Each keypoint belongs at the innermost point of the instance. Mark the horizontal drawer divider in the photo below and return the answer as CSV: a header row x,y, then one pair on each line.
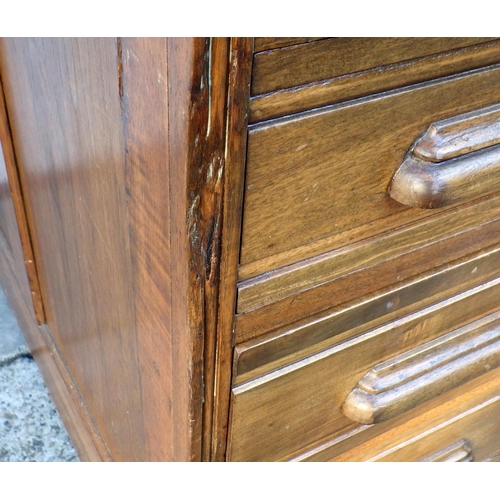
x,y
343,88
276,285
272,357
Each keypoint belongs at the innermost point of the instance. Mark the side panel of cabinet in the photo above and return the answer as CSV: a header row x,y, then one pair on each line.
x,y
121,162
19,279
90,123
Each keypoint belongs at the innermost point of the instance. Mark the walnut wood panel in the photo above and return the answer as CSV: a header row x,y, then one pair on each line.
x,y
63,97
363,83
308,172
303,338
369,441
285,411
306,63
240,59
420,374
478,427
368,280
144,74
19,280
124,195
267,43
396,244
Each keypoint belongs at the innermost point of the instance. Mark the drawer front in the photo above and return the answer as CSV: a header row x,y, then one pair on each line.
x,y
377,376
319,183
310,75
471,435
305,63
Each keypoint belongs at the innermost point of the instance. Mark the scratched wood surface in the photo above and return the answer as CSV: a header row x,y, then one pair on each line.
x,y
304,337
268,43
304,63
471,436
122,239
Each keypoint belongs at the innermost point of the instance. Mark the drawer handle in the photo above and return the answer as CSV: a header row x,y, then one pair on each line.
x,y
456,159
412,378
457,452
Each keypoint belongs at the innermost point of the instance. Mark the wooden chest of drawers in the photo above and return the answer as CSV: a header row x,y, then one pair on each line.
x,y
258,249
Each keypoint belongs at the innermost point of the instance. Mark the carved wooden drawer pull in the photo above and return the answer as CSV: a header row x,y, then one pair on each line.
x,y
457,452
412,378
456,159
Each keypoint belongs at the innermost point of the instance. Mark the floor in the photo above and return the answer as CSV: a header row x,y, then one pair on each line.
x,y
30,427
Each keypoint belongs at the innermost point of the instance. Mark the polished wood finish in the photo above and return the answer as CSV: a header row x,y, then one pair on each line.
x,y
240,61
306,63
477,424
20,283
401,245
471,417
460,135
441,169
268,408
220,273
14,223
127,238
366,82
309,171
457,452
263,353
267,43
406,381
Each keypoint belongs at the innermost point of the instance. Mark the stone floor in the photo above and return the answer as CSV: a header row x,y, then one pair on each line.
x,y
30,427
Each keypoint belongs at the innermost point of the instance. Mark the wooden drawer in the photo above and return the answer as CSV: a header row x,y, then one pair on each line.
x,y
292,75
317,186
470,435
357,377
308,62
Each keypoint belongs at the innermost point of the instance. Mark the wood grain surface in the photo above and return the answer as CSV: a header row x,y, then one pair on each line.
x,y
310,171
305,63
460,135
267,352
366,441
454,160
301,403
124,197
63,97
240,61
408,380
267,43
399,244
478,425
371,81
456,452
13,221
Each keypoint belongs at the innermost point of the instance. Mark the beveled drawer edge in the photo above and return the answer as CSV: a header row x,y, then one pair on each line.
x,y
300,404
300,99
281,283
444,424
263,374
304,338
